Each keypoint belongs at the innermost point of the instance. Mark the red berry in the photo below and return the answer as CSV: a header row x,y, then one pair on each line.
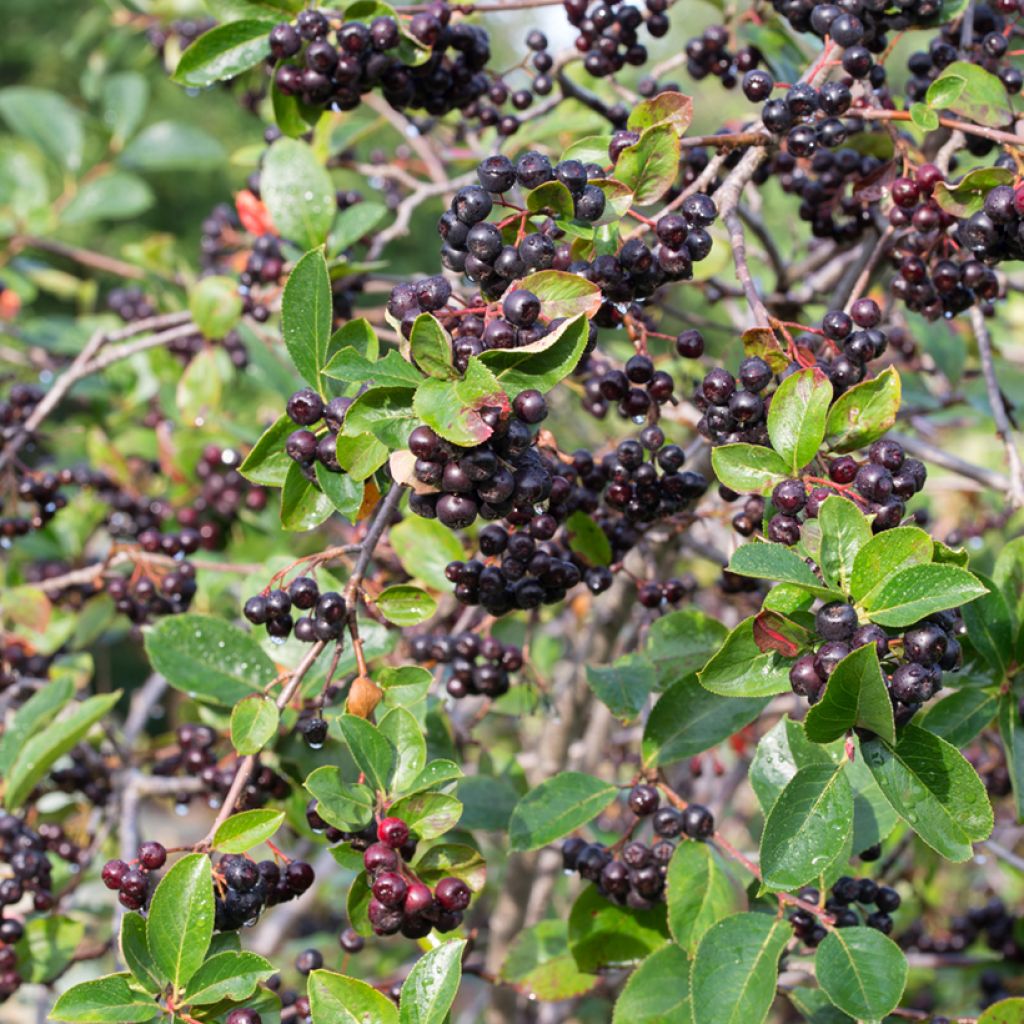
x,y
452,894
113,873
152,856
393,832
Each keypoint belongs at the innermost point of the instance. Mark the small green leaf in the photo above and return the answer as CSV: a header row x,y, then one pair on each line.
x,y
227,975
431,348
354,368
886,554
43,706
303,505
736,967
741,669
748,468
649,167
403,732
924,117
807,828
552,198
48,120
1011,731
306,309
862,971
586,538
796,419
341,492
540,965
428,815
424,547
623,686
455,859
680,643
844,531
602,934
556,807
658,991
967,196
921,590
982,98
990,626
405,605
671,108
767,561
47,947
135,951
298,193
179,924
347,807
254,722
224,52
699,892
106,1000
1006,1011
336,999
267,462
431,986
452,407
959,717
370,749
385,412
561,293
864,412
541,364
855,697
242,831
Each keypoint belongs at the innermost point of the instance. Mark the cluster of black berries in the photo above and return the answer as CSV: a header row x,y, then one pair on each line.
x,y
17,407
846,897
709,54
479,666
84,771
987,47
184,32
242,888
730,414
41,491
19,665
197,757
223,494
942,262
400,902
148,596
133,882
655,593
807,117
382,55
274,610
608,33
306,447
998,926
913,662
130,304
634,876
637,389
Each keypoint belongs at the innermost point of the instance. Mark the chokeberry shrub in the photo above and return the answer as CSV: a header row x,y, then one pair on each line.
x,y
511,511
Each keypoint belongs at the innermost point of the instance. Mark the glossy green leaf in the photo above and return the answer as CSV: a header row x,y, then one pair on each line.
x,y
48,120
385,412
430,987
370,749
242,831
671,108
650,165
864,412
960,716
455,859
768,561
623,686
658,991
267,462
298,193
303,505
933,789
452,407
982,98
735,968
42,707
405,605
602,934
106,1000
796,419
431,348
855,697
208,659
844,531
340,493
807,827
990,626
179,923
337,999
741,669
967,196
403,732
541,364
254,722
748,468
355,368
540,965
862,971
224,52
562,294
921,590
424,547
680,643
346,806
556,807
135,952
306,312
1006,1011
428,815
586,538
886,554
699,893
227,975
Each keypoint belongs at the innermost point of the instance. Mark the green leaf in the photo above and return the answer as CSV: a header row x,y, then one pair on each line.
x,y
436,772
303,505
173,146
43,706
354,223
924,117
452,407
385,412
405,605
815,1007
47,947
428,815
224,52
990,626
268,462
1011,731
586,538
735,969
680,643
348,807
431,348
455,859
424,547
864,412
959,717
540,965
933,789
748,468
243,831
1006,1011
431,986
298,193
114,196
342,492
48,120
125,98
623,686
403,732
179,924
541,364
306,312
741,669
487,803
807,827
602,934
982,98
35,758
967,196
782,750
886,554
855,697
370,750
215,305
921,590
658,991
135,952
766,561
796,419
1009,576
649,167
844,531
561,293
227,975
106,1000
354,368
336,999
591,149
556,807
689,719
699,893
671,108
254,722
208,659
862,971
552,198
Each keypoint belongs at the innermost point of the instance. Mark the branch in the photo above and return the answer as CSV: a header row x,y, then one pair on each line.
x,y
88,258
998,406
992,134
922,449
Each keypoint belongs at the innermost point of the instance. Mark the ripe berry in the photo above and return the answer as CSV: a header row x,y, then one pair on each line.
x,y
152,856
836,620
828,656
789,496
243,1015
690,344
393,832
925,644
643,800
351,941
804,677
113,873
530,406
698,822
521,307
305,407
309,960
452,894
300,876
